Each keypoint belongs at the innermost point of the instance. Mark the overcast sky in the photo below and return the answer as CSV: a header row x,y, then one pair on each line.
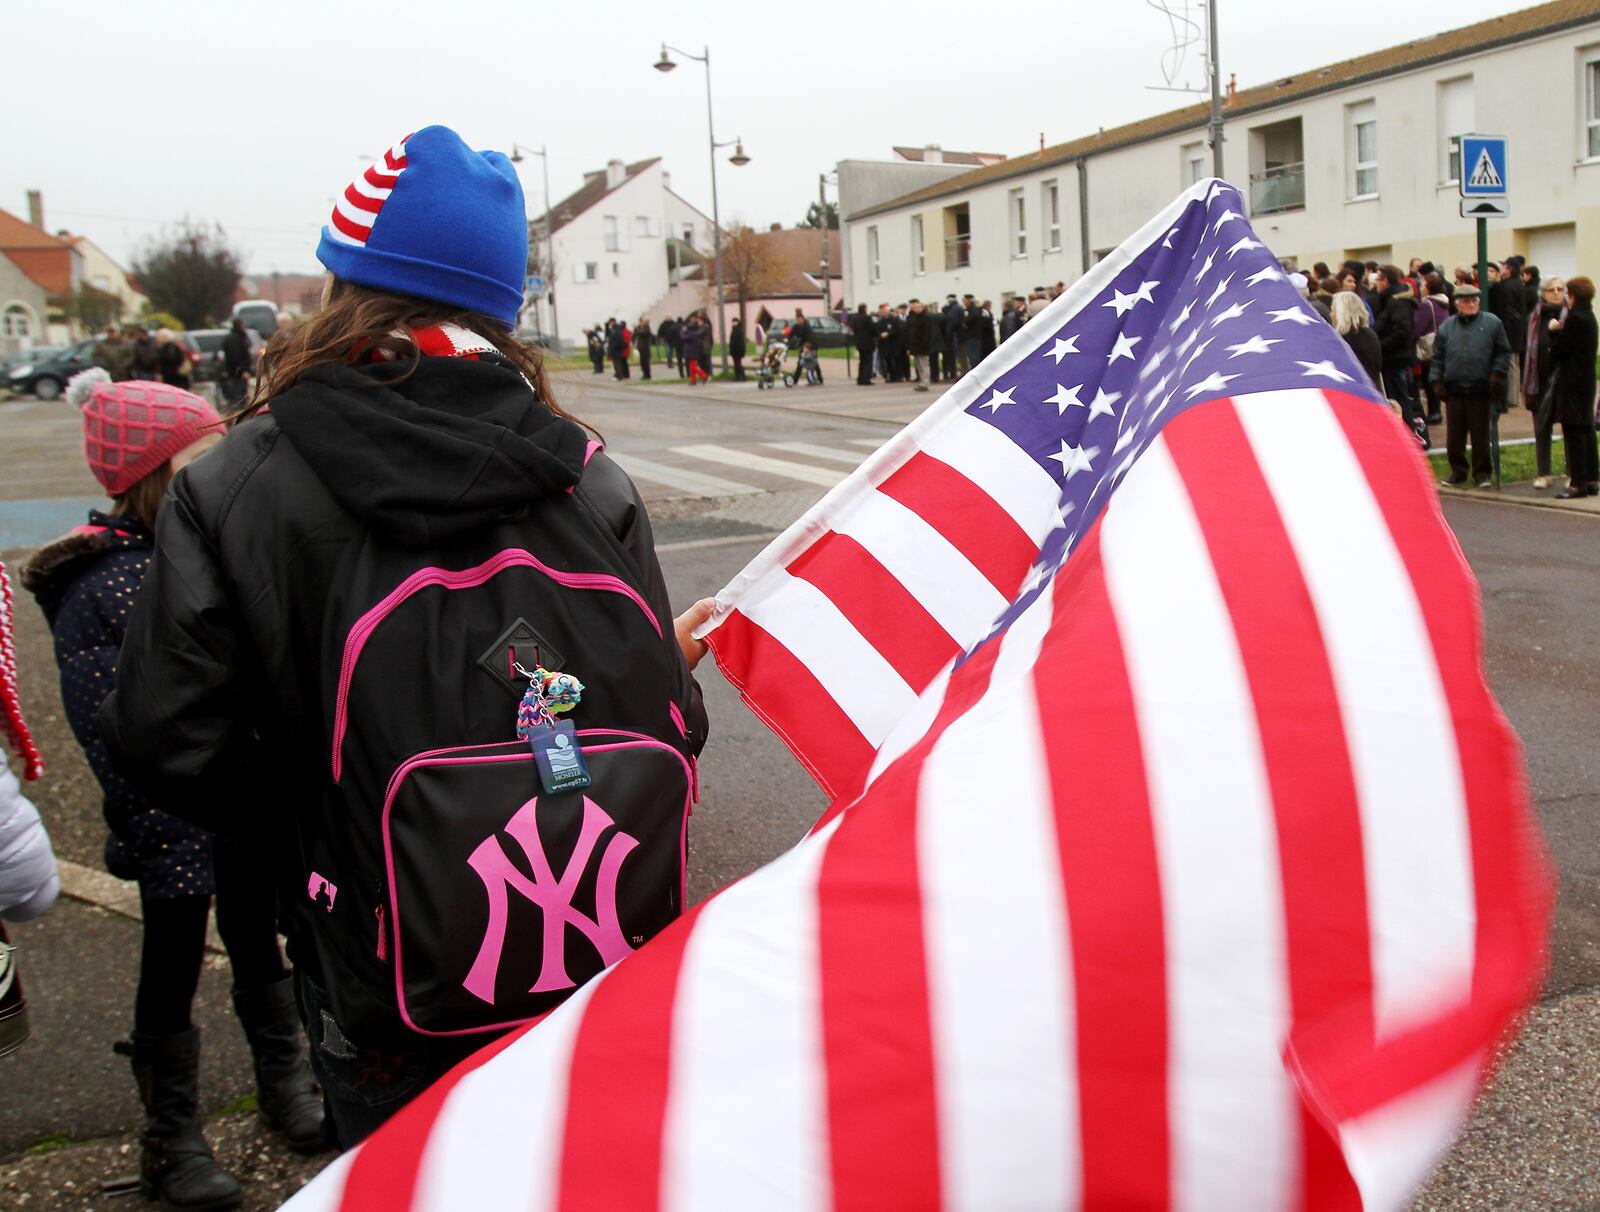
x,y
128,116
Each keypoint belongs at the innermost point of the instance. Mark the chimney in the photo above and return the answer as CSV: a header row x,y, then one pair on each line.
x,y
36,208
932,153
1233,87
666,179
615,173
776,227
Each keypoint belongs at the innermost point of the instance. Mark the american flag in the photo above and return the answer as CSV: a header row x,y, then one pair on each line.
x,y
1182,860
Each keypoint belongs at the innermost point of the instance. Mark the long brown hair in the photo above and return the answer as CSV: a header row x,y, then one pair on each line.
x,y
357,323
142,501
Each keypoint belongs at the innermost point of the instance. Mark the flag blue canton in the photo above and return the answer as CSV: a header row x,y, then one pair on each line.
x,y
1202,311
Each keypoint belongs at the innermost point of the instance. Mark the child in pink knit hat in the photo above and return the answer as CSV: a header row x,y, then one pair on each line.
x,y
137,436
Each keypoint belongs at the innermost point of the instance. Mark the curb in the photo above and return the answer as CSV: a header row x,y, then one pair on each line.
x,y
1494,497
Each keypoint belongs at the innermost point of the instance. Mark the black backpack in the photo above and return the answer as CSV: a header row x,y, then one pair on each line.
x,y
450,887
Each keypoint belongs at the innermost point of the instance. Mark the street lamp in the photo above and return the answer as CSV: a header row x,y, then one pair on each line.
x,y
738,160
517,151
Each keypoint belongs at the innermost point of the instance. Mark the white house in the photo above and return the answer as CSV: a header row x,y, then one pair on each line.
x,y
1356,159
103,273
619,243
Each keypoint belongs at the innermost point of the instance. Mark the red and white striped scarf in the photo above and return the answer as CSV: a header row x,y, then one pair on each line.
x,y
12,725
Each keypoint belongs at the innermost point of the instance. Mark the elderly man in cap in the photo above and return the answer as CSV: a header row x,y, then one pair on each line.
x,y
1470,358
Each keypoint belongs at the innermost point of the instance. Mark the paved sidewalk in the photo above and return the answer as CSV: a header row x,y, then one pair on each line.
x,y
839,396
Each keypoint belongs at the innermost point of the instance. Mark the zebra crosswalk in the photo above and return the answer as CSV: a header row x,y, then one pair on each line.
x,y
717,470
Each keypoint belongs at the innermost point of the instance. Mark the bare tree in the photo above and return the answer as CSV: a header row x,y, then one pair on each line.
x,y
751,266
191,272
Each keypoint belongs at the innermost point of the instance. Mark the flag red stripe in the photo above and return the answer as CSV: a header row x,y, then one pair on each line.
x,y
360,200
1303,743
395,163
1112,881
878,606
351,229
970,518
618,1080
379,180
877,1036
1511,875
383,1177
788,697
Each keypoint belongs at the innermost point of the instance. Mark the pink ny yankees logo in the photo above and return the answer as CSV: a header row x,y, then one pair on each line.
x,y
553,896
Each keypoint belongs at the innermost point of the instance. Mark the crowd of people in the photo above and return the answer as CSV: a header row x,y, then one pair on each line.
x,y
162,357
927,344
685,341
1458,351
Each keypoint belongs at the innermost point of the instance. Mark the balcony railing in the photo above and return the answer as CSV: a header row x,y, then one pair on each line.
x,y
1278,189
957,252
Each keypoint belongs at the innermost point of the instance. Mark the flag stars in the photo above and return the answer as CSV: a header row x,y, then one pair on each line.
x,y
1100,406
1244,245
1123,303
1255,345
1182,318
1232,312
1123,348
1221,289
1158,355
1212,382
1074,459
1146,292
994,402
1227,216
1205,267
1065,397
1166,241
1063,347
1293,315
1325,370
1270,273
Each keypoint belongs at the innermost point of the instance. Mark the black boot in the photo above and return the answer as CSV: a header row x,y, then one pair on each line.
x,y
175,1164
285,1096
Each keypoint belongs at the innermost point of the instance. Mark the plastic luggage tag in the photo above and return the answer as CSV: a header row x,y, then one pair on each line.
x,y
559,757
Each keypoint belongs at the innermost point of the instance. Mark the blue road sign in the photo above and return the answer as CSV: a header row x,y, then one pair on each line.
x,y
534,285
1483,166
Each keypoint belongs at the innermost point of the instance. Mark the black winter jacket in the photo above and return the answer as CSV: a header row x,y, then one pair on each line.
x,y
1572,354
1394,314
919,333
222,707
1468,353
86,583
1508,300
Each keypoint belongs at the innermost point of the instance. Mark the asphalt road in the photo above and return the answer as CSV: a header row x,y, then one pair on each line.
x,y
1540,597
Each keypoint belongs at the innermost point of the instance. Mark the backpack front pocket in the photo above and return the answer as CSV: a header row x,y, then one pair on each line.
x,y
503,899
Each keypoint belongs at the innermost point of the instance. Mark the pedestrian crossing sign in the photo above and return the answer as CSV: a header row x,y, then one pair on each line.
x,y
1483,166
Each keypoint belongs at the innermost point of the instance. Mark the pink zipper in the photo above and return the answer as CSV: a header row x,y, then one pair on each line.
x,y
437,757
383,950
466,578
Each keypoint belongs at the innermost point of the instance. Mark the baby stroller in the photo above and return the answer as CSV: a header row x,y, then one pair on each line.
x,y
809,369
770,368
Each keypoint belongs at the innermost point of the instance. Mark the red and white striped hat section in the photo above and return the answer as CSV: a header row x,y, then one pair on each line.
x,y
356,212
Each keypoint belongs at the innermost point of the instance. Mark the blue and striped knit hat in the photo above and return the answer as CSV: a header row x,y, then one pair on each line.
x,y
435,219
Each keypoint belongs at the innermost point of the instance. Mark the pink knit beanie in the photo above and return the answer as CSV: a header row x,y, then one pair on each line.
x,y
132,428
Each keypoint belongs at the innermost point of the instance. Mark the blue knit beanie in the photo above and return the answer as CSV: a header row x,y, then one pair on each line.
x,y
434,219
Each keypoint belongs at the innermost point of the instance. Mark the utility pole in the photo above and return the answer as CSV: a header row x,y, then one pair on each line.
x,y
822,222
1214,126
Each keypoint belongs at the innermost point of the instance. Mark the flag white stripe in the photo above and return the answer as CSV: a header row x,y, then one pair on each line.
x,y
361,218
804,472
326,1192
999,954
928,565
1397,721
831,453
677,477
804,620
748,1003
1001,468
913,725
477,1156
1393,1149
1216,844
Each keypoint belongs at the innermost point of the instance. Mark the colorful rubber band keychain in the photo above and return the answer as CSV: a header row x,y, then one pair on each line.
x,y
554,742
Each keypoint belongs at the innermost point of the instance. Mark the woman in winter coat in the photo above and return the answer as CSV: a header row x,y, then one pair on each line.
x,y
1432,311
692,342
1538,371
28,879
1572,355
137,435
403,537
1350,320
173,359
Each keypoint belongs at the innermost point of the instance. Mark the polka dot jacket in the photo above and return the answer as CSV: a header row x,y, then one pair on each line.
x,y
87,583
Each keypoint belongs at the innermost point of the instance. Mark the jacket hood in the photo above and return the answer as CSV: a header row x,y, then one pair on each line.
x,y
55,566
426,457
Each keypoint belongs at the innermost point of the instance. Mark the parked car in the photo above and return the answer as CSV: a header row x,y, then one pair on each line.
x,y
208,364
826,331
257,314
47,377
10,361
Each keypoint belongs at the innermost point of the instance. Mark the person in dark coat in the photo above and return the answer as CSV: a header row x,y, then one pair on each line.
x,y
1572,353
1508,302
865,331
642,336
936,344
236,365
1470,358
173,359
1012,317
919,342
1350,322
146,355
1394,318
113,353
800,335
972,340
891,343
692,341
668,335
86,585
986,341
1538,367
736,348
617,348
954,315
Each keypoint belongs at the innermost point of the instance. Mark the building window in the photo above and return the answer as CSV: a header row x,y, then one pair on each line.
x,y
687,234
957,236
1019,224
16,322
872,254
1277,168
616,233
1458,114
919,248
1050,207
1194,163
585,271
1361,149
646,225
1591,103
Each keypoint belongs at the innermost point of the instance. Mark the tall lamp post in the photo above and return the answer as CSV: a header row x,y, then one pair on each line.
x,y
517,152
738,160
